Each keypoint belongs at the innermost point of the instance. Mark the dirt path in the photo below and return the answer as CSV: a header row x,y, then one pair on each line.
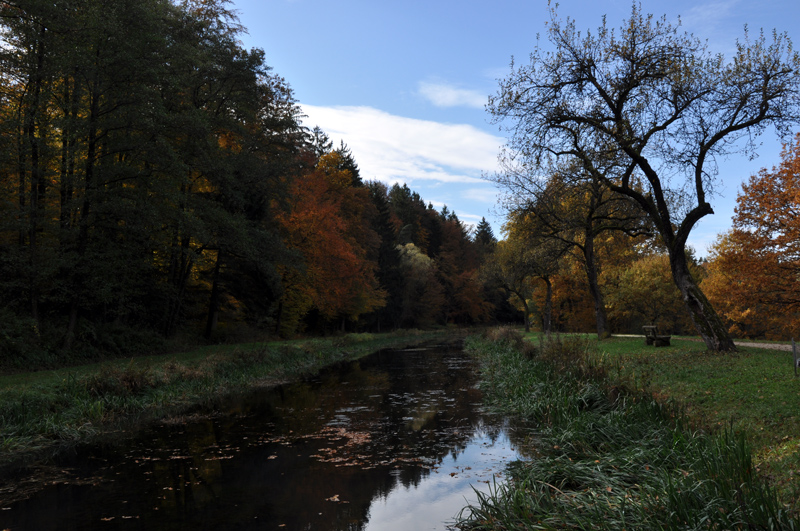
x,y
772,346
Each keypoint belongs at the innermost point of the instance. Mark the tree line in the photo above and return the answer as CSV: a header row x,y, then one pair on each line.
x,y
156,180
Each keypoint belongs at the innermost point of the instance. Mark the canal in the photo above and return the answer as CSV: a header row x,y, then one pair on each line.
x,y
394,441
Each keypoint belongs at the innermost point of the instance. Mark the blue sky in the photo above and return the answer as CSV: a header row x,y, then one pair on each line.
x,y
404,84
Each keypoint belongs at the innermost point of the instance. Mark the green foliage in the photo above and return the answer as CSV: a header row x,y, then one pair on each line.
x,y
148,167
19,339
645,293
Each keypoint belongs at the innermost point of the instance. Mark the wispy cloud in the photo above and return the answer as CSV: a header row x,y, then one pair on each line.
x,y
443,95
711,20
482,195
708,15
393,149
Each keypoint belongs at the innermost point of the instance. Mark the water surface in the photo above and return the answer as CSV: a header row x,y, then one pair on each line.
x,y
394,441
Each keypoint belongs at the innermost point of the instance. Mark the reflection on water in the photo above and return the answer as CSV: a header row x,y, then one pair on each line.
x,y
393,441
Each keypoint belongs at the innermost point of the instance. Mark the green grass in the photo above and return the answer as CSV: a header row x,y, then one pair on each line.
x,y
42,411
753,391
609,455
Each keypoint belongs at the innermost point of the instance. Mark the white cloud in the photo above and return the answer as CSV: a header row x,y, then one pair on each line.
x,y
443,95
711,21
708,15
396,149
484,195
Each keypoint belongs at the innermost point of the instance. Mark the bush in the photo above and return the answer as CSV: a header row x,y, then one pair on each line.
x,y
514,337
96,341
21,344
120,382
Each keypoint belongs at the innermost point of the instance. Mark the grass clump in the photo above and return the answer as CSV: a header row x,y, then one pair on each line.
x,y
608,457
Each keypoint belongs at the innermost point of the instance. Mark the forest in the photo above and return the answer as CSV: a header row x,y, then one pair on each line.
x,y
157,182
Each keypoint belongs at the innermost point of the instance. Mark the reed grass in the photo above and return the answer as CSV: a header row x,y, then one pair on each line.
x,y
610,457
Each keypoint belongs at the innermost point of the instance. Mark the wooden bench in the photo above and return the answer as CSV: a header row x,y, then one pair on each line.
x,y
651,337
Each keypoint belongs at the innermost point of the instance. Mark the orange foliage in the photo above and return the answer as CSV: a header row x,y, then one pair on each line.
x,y
325,223
755,267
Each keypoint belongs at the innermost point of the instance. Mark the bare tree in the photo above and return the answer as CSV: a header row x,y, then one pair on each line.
x,y
660,101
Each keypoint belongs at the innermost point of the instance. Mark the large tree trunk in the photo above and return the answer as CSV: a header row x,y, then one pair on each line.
x,y
594,287
705,319
213,303
526,311
37,184
72,325
68,143
89,189
527,316
547,316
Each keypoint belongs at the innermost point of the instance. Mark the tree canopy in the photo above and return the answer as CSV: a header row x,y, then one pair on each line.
x,y
653,105
755,266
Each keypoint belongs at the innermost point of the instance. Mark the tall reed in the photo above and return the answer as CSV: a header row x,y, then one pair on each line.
x,y
609,457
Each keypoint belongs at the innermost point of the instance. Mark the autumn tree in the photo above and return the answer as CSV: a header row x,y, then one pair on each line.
x,y
423,295
144,149
458,263
504,270
644,291
575,208
660,102
755,267
413,218
520,260
325,222
735,286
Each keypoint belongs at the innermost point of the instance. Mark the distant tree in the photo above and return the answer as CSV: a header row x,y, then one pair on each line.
x,y
737,289
423,296
661,103
410,212
457,265
572,206
484,239
645,291
388,257
518,261
320,142
484,235
325,223
505,270
348,162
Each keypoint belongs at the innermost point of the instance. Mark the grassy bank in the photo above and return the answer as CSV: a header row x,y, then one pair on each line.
x,y
41,412
753,391
610,455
